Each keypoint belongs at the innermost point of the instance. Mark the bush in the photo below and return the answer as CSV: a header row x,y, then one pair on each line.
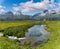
x,y
18,31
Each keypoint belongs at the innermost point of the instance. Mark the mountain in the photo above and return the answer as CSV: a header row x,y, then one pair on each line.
x,y
10,16
48,15
37,14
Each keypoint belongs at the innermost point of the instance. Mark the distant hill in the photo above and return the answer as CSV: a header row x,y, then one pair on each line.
x,y
10,16
46,15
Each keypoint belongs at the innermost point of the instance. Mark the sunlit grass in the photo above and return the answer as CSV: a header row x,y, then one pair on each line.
x,y
6,24
52,26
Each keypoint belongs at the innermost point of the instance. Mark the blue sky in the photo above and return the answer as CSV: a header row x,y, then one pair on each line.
x,y
9,4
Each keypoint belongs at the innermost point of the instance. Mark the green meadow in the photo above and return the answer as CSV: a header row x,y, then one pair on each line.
x,y
52,26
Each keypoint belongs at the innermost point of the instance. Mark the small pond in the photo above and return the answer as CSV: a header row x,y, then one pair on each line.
x,y
38,34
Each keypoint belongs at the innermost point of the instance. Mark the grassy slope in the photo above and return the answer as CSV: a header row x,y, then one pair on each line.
x,y
6,24
53,43
6,43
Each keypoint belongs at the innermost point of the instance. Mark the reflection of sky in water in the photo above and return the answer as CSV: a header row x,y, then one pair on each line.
x,y
37,27
38,33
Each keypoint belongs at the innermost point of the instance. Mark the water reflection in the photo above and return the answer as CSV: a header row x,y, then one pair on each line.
x,y
37,34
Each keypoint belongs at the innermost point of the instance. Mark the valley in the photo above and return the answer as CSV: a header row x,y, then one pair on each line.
x,y
9,27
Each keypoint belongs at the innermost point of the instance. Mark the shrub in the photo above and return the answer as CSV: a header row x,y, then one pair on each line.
x,y
18,31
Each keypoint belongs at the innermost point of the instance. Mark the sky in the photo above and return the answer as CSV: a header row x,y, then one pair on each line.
x,y
28,7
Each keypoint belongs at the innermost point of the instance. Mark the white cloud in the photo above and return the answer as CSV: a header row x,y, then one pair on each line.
x,y
2,11
43,14
57,8
30,6
2,6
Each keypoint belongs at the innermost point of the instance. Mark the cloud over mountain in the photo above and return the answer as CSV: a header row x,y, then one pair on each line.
x,y
30,6
2,11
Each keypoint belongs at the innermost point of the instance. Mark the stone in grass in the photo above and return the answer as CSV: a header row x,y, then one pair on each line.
x,y
1,34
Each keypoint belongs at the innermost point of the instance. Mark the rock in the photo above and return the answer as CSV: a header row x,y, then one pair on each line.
x,y
1,34
21,38
12,37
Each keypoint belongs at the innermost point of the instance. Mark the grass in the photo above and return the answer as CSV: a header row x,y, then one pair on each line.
x,y
52,26
6,24
54,40
6,43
